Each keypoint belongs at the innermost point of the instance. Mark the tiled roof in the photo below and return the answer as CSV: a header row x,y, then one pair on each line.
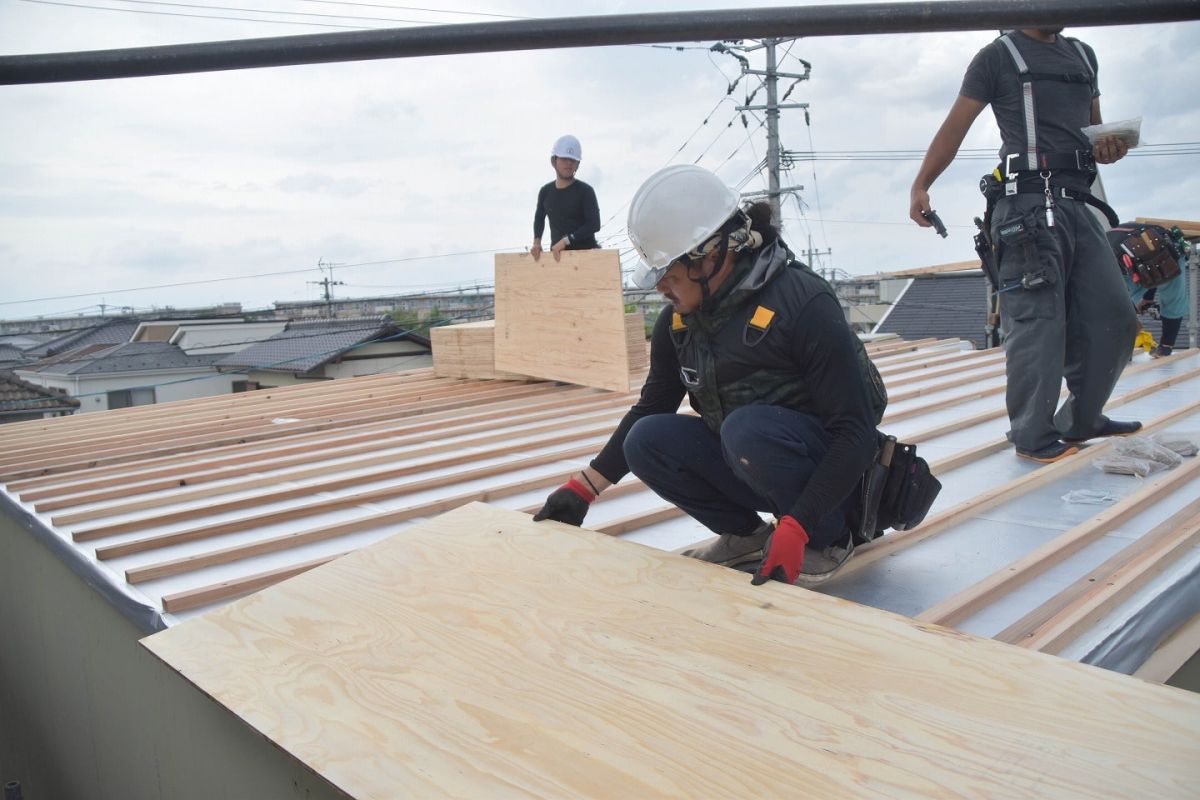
x,y
127,357
304,346
11,356
113,331
945,307
19,395
952,307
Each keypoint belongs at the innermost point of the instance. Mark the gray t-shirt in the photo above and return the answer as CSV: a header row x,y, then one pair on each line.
x,y
1060,108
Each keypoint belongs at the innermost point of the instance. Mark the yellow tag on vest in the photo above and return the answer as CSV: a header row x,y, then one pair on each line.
x,y
677,323
762,318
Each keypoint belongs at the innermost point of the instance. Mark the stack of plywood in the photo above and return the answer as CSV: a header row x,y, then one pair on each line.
x,y
467,351
637,348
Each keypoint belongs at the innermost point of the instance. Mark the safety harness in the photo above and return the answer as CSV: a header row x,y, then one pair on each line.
x,y
1080,160
1032,172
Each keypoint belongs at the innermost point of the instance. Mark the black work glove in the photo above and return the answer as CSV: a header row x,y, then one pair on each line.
x,y
568,503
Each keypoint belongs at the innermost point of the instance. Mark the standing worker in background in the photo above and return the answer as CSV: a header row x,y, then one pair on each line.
x,y
1063,309
787,399
568,202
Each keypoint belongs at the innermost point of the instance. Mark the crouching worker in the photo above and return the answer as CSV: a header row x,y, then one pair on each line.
x,y
787,399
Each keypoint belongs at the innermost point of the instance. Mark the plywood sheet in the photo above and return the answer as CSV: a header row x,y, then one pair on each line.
x,y
467,351
563,320
480,654
636,346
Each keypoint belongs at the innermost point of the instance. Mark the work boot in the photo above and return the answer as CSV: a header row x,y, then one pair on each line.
x,y
730,550
1111,428
821,564
1162,351
1050,453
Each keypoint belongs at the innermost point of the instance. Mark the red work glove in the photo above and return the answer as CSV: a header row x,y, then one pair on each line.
x,y
568,503
785,553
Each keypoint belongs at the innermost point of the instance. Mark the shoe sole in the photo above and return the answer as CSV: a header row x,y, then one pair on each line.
x,y
1070,451
1105,436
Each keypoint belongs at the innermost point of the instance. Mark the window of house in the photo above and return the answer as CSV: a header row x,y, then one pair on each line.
x,y
123,398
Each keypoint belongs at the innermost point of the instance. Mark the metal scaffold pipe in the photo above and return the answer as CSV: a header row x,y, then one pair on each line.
x,y
590,31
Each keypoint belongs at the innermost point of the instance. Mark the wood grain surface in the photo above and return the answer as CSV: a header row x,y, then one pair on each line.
x,y
563,320
479,654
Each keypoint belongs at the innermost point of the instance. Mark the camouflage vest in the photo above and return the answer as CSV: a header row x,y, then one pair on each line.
x,y
754,368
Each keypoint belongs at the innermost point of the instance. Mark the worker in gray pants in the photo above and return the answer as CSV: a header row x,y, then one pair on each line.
x,y
1063,308
1066,314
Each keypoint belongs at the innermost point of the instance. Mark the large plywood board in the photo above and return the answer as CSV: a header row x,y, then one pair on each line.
x,y
480,654
563,320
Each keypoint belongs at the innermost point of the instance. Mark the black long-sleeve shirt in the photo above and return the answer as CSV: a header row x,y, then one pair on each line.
x,y
573,212
822,351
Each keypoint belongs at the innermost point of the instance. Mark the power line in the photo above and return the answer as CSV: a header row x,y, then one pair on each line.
x,y
256,275
875,222
414,8
271,11
967,154
195,16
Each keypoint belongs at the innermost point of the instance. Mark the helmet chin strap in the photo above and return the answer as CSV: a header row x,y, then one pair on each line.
x,y
742,239
705,294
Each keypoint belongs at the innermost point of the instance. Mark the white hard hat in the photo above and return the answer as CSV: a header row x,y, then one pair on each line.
x,y
675,211
568,147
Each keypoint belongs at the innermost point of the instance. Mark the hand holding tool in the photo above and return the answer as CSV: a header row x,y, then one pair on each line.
x,y
935,221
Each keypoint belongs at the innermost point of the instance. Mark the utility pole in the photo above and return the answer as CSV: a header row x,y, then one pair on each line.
x,y
771,76
328,283
809,257
772,131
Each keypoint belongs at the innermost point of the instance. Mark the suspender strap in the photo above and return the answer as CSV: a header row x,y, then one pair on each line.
x,y
1026,102
1051,161
1083,57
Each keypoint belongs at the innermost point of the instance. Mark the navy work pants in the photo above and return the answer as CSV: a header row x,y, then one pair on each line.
x,y
761,461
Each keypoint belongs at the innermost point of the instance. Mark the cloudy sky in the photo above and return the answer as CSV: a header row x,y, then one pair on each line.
x,y
409,174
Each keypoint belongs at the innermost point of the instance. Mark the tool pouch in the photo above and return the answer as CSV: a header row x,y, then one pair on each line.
x,y
1025,261
987,255
896,491
908,492
1146,253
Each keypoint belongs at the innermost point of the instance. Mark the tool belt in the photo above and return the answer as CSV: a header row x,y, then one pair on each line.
x,y
1146,253
993,188
996,184
896,491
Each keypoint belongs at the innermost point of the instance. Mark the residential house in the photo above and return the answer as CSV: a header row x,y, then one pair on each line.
x,y
131,374
326,349
21,400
